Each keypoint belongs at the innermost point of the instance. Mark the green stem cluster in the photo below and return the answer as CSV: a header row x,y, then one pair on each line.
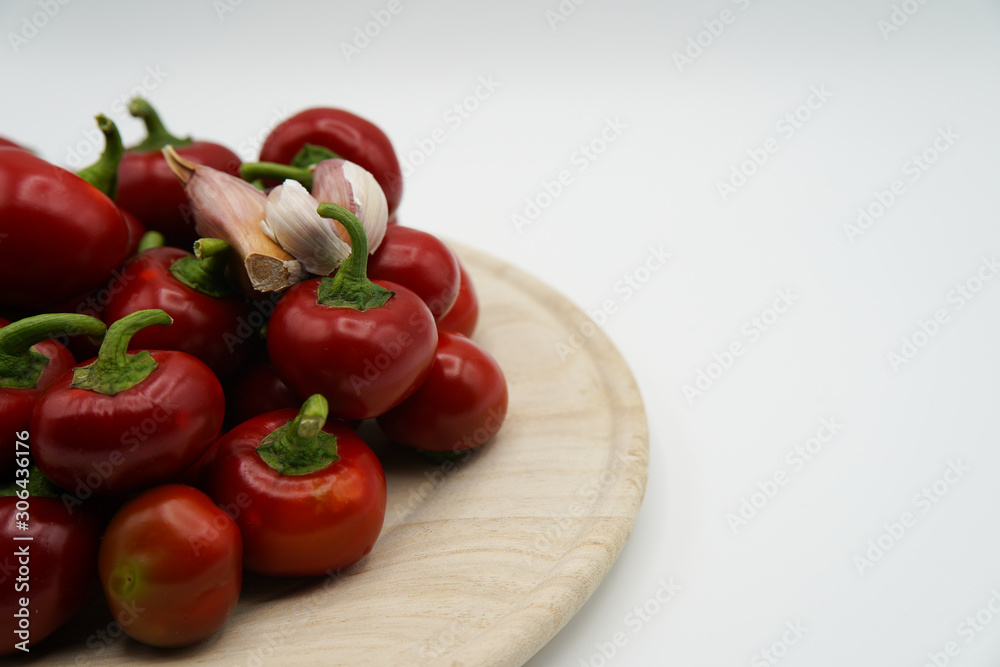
x,y
205,271
301,446
158,137
20,366
115,369
350,286
103,174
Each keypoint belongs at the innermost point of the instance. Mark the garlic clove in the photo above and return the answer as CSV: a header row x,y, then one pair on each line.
x,y
353,187
292,222
228,208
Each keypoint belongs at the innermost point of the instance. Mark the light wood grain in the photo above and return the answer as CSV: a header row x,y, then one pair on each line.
x,y
479,564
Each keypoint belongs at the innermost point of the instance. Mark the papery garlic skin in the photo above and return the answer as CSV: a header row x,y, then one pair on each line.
x,y
353,187
290,220
223,205
228,208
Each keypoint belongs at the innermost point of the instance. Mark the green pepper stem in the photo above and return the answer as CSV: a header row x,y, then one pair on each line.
x,y
158,137
38,485
151,239
310,155
103,174
115,370
252,171
206,248
350,286
20,366
206,270
301,446
311,417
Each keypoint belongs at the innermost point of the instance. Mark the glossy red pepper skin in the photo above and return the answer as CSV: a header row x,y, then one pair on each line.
x,y
363,362
16,404
173,554
298,525
148,189
464,313
61,236
135,439
7,143
255,390
92,303
461,405
204,326
418,261
349,136
135,231
62,568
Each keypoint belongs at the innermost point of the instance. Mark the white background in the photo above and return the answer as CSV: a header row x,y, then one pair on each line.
x,y
229,70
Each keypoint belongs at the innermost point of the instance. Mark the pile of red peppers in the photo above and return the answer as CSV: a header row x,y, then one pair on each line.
x,y
165,425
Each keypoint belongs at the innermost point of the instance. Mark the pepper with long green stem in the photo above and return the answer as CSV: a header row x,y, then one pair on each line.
x,y
150,190
350,286
157,134
363,345
29,362
103,174
128,420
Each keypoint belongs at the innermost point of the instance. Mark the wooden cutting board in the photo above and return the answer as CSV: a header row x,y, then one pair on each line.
x,y
479,563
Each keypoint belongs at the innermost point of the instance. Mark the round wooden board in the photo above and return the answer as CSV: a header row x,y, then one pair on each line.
x,y
479,563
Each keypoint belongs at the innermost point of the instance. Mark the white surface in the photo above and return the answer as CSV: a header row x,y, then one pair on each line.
x,y
655,186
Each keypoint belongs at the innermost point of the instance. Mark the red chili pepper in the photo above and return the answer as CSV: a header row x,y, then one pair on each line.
x,y
205,306
126,421
92,303
461,406
60,236
61,560
364,345
7,143
148,188
310,494
321,133
421,262
465,312
136,230
29,363
170,565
